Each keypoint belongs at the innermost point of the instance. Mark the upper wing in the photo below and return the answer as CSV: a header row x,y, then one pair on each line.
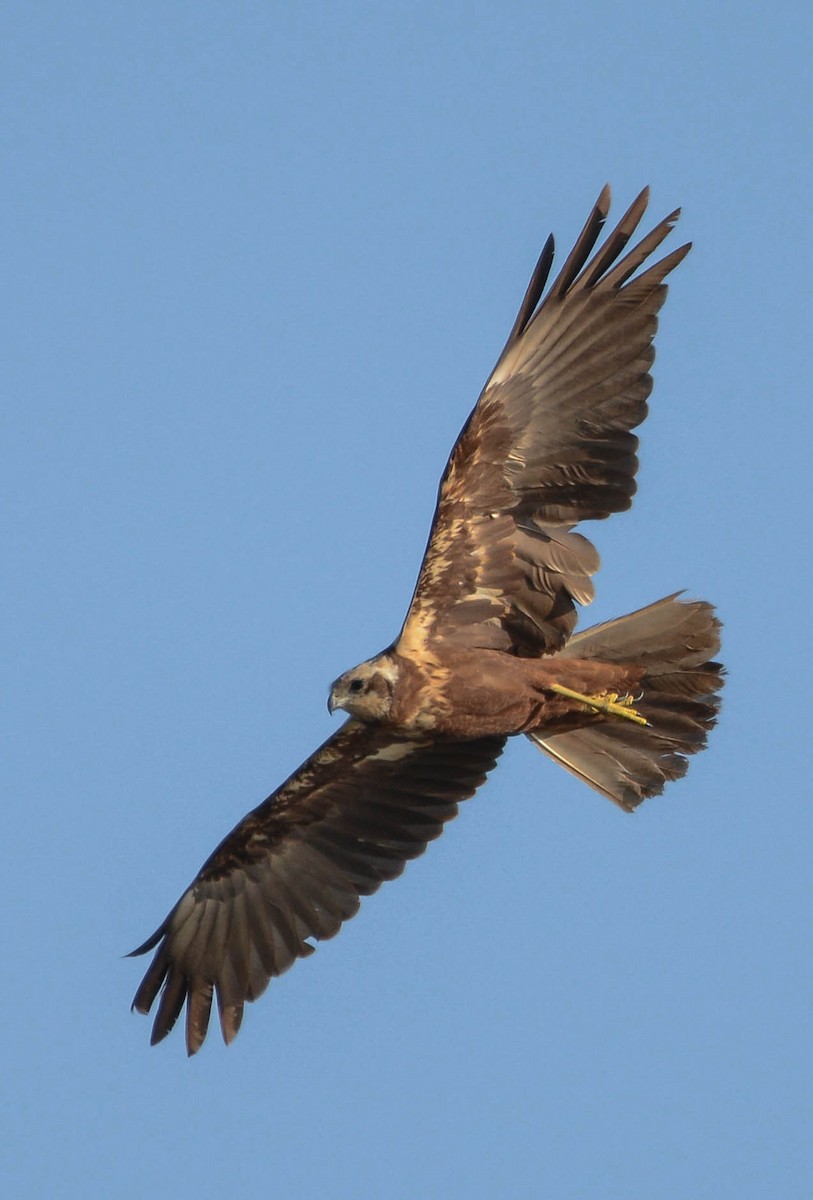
x,y
294,868
548,444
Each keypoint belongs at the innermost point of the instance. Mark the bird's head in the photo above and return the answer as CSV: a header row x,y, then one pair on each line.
x,y
366,691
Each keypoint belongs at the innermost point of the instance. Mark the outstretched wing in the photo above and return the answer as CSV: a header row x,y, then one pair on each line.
x,y
295,867
548,444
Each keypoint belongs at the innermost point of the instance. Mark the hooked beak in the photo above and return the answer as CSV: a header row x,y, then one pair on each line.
x,y
332,703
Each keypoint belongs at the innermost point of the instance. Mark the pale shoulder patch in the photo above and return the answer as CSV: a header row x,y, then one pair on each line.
x,y
396,751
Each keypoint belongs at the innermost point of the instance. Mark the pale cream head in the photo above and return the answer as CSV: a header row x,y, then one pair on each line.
x,y
367,690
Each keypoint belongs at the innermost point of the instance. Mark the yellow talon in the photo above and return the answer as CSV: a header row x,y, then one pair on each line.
x,y
606,702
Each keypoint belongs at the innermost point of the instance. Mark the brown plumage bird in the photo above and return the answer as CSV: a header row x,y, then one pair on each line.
x,y
486,650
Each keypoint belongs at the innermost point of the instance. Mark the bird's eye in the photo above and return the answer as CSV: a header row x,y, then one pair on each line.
x,y
356,685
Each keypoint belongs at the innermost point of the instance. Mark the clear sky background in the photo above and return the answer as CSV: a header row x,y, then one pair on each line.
x,y
259,259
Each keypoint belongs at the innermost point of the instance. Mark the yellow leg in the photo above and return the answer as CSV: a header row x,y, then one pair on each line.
x,y
607,702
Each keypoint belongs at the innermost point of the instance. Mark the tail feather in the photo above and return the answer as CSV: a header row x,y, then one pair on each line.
x,y
675,641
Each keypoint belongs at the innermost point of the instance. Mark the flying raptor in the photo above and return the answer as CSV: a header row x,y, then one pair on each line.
x,y
487,650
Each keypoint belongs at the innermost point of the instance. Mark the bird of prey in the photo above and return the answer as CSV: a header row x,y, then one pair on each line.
x,y
487,650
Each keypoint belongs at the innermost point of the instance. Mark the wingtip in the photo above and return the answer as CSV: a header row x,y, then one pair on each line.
x,y
151,942
198,1012
604,201
143,949
163,1024
193,1044
231,1018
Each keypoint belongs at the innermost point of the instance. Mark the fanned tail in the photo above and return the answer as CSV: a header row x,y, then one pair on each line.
x,y
675,641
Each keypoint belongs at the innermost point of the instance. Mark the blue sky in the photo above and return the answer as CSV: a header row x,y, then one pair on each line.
x,y
259,260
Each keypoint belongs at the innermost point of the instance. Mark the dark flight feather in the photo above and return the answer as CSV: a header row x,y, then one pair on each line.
x,y
364,804
549,444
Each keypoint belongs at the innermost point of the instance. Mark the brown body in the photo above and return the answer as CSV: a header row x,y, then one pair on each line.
x,y
523,685
487,645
